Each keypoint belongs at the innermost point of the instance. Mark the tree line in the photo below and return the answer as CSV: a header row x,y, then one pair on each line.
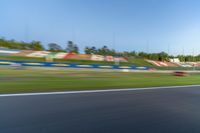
x,y
37,45
12,44
72,47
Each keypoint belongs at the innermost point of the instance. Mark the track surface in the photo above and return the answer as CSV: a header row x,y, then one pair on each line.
x,y
171,110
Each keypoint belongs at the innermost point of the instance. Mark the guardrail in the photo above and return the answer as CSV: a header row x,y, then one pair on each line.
x,y
69,65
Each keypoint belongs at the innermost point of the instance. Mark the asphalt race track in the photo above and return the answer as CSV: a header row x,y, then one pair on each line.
x,y
170,110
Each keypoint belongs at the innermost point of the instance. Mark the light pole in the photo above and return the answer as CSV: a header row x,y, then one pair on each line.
x,y
116,61
193,59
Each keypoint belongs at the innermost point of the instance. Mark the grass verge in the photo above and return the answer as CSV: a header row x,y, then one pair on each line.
x,y
36,80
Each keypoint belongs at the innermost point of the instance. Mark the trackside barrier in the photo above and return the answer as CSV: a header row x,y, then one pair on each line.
x,y
69,65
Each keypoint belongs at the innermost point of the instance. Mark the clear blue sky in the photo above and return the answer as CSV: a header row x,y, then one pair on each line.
x,y
140,25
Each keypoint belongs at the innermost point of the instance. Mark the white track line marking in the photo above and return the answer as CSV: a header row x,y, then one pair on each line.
x,y
93,91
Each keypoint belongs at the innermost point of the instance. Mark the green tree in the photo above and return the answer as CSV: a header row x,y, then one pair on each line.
x,y
90,50
71,47
36,45
163,56
103,51
54,47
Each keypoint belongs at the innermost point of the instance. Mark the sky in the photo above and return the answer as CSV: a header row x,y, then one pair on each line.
x,y
172,26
